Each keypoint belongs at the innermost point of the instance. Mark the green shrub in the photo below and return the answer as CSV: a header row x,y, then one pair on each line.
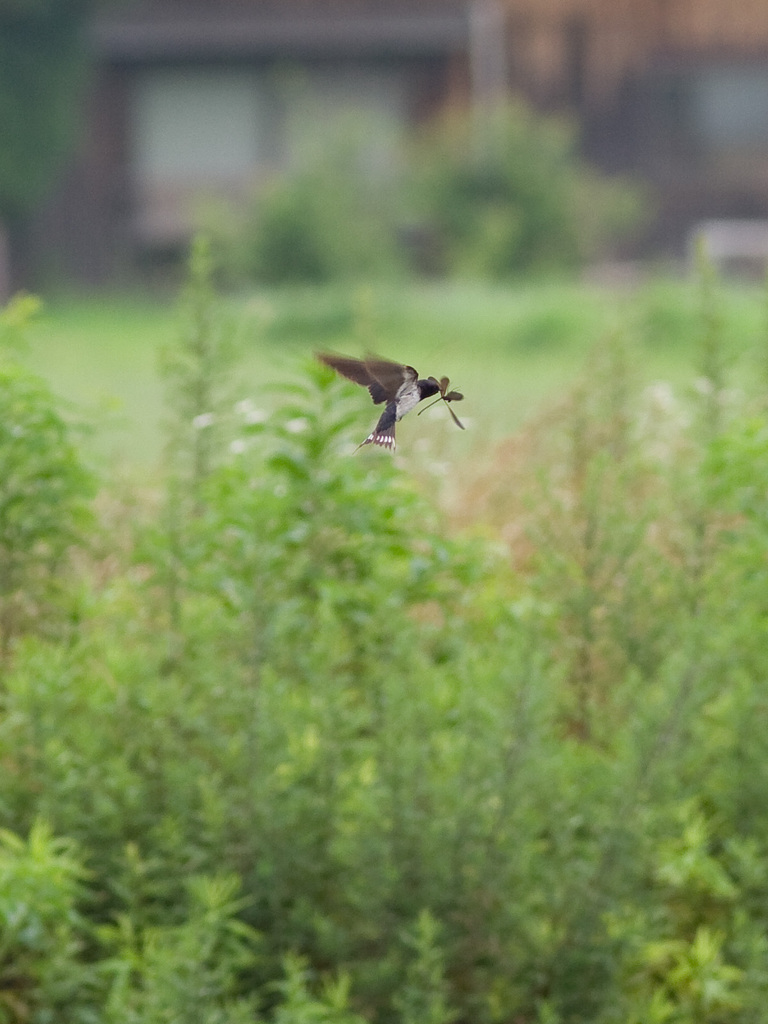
x,y
197,371
394,773
424,998
491,197
42,975
326,220
183,972
45,494
508,195
299,1005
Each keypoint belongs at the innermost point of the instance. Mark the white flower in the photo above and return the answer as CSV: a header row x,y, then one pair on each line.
x,y
238,446
662,396
297,426
250,414
203,420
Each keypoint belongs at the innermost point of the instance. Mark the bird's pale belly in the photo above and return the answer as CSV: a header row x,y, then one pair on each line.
x,y
408,397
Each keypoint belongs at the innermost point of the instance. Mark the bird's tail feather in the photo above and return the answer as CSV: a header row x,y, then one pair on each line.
x,y
384,438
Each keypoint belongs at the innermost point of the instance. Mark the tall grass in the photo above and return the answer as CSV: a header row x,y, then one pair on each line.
x,y
323,745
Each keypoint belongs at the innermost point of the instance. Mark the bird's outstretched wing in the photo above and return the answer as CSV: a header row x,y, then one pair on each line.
x,y
382,377
391,376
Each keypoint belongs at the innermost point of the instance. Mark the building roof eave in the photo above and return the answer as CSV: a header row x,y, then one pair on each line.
x,y
401,32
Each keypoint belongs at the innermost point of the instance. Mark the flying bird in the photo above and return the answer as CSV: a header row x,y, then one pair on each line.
x,y
392,383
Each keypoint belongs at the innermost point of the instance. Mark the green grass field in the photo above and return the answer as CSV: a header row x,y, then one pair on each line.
x,y
510,349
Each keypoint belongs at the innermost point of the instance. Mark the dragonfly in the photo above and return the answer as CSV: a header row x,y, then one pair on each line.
x,y
446,396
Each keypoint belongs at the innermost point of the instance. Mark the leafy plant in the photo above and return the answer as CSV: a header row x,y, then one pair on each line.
x,y
197,372
41,931
183,972
298,1005
424,998
45,493
398,771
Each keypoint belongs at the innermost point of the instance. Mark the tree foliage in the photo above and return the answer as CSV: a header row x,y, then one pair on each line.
x,y
42,64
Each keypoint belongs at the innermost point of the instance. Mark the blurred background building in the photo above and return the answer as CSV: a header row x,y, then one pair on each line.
x,y
192,97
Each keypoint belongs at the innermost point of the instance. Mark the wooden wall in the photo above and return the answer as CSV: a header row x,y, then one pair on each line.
x,y
578,52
